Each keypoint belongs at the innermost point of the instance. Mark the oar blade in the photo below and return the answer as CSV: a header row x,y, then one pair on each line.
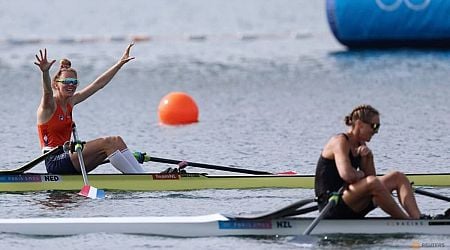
x,y
92,192
87,190
289,172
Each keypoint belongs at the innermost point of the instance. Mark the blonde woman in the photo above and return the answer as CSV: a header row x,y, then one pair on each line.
x,y
347,160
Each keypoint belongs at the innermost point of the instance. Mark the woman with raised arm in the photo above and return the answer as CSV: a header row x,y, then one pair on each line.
x,y
54,119
347,160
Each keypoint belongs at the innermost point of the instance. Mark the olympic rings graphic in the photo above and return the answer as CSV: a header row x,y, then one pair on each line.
x,y
396,4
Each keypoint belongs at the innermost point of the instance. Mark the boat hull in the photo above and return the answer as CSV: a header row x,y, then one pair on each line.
x,y
174,182
218,225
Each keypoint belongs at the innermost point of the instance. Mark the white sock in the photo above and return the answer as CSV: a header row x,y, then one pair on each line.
x,y
119,161
132,160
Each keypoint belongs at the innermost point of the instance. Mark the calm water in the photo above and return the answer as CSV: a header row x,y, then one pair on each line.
x,y
271,84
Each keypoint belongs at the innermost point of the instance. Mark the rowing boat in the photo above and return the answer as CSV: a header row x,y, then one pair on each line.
x,y
219,225
189,181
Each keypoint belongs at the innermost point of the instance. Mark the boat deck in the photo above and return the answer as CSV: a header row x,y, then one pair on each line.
x,y
173,182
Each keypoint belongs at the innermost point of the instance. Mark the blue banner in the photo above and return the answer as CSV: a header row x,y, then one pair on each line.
x,y
377,23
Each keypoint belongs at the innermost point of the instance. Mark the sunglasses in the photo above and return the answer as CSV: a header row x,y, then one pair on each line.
x,y
66,81
375,127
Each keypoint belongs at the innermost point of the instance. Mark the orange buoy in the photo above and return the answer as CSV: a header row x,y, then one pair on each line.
x,y
177,108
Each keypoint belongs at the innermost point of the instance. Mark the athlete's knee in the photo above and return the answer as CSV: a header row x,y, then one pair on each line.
x,y
399,177
374,184
112,143
116,142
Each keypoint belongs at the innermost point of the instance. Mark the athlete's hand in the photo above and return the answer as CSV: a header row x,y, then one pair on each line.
x,y
360,174
126,55
363,151
42,61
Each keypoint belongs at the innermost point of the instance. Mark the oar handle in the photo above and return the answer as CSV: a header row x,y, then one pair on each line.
x,y
207,166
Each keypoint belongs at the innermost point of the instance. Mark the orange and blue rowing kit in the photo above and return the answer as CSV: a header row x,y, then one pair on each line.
x,y
55,132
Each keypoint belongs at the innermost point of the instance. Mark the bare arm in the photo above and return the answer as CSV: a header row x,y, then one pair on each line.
x,y
47,105
339,149
103,79
367,163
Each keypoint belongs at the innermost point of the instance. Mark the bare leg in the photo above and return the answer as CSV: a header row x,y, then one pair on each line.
x,y
96,151
359,194
399,182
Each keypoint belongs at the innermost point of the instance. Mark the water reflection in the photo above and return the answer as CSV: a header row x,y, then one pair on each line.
x,y
367,241
59,200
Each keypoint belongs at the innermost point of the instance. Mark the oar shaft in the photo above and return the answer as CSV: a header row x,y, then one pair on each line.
x,y
433,195
209,166
42,157
78,149
316,221
332,202
82,167
32,163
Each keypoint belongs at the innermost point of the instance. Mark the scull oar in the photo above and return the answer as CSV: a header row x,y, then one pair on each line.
x,y
87,190
429,194
27,166
209,166
289,210
433,195
332,202
143,157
